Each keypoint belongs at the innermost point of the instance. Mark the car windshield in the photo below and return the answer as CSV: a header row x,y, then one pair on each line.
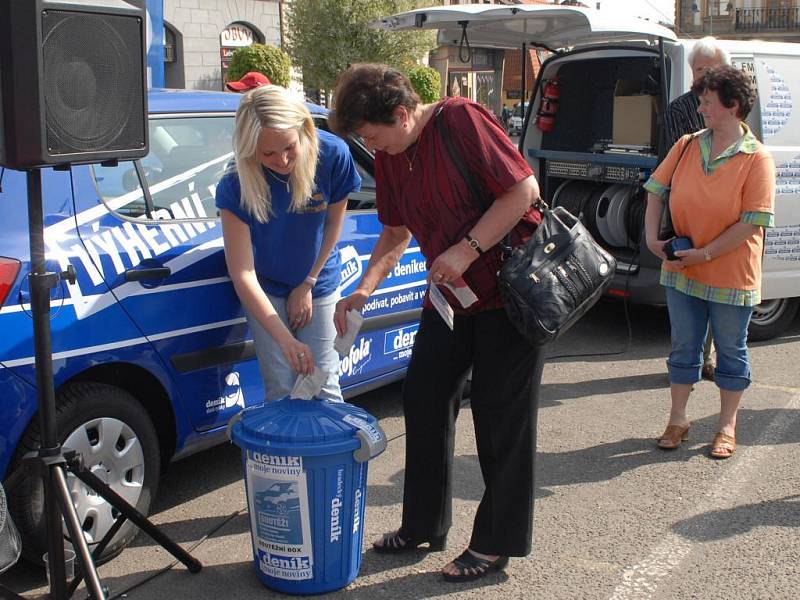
x,y
187,157
518,110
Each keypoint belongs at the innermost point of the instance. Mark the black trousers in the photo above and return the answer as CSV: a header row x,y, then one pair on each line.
x,y
506,372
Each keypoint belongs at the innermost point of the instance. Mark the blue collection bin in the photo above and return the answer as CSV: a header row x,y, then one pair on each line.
x,y
305,465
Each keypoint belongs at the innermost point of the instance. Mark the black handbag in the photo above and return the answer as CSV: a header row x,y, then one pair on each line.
x,y
551,281
666,230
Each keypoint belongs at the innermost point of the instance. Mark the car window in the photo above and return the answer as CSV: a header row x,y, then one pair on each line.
x,y
367,180
365,165
187,157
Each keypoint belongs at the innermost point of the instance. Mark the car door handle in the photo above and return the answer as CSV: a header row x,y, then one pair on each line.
x,y
147,274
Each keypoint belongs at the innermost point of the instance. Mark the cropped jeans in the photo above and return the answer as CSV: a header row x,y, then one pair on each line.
x,y
690,318
279,378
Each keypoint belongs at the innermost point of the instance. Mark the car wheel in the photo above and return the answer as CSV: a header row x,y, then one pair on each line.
x,y
771,318
115,436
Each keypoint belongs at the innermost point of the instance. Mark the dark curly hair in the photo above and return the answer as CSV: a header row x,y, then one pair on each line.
x,y
731,84
367,93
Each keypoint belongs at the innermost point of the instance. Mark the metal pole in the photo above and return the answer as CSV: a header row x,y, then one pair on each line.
x,y
40,285
522,100
82,553
665,98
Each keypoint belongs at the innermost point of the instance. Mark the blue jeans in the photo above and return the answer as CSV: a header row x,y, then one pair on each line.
x,y
279,378
689,319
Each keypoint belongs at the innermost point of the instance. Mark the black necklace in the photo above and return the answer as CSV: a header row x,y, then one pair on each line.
x,y
283,181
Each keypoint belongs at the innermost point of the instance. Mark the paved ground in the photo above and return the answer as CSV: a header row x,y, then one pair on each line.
x,y
615,517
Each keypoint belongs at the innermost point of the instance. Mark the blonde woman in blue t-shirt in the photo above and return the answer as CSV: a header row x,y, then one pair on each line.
x,y
282,205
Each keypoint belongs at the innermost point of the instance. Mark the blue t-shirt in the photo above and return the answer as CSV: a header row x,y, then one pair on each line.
x,y
286,247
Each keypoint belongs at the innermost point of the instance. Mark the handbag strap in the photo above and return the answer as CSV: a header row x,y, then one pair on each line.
x,y
466,174
683,151
468,177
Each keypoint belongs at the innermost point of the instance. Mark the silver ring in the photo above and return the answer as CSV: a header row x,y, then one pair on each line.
x,y
301,354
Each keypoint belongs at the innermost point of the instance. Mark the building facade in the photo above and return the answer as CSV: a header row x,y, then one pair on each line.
x,y
201,35
775,20
491,77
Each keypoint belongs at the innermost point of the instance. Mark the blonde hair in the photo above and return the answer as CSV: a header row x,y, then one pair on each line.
x,y
272,107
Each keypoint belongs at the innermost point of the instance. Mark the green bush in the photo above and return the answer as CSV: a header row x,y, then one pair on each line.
x,y
269,60
426,83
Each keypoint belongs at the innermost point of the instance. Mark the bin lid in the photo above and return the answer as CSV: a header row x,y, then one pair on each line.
x,y
307,427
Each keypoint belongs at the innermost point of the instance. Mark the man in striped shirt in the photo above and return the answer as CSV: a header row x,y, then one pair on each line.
x,y
681,117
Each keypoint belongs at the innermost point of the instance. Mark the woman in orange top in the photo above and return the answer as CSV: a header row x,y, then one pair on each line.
x,y
722,196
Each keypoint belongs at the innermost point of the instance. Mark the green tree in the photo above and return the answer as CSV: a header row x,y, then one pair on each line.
x,y
269,60
426,82
324,37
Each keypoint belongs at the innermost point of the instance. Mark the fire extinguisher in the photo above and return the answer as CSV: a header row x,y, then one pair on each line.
x,y
548,105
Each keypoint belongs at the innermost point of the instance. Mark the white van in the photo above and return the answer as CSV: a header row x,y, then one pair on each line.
x,y
614,77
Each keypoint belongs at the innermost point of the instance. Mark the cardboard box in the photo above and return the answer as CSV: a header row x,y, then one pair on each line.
x,y
634,117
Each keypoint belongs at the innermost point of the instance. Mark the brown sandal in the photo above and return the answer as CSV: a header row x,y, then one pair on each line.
x,y
723,446
673,436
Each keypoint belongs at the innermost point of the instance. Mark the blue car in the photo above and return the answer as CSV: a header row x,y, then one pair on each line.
x,y
151,351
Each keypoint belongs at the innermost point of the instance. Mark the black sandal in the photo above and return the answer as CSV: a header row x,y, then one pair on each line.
x,y
397,542
471,567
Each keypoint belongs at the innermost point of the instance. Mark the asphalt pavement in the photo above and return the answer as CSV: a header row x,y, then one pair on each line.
x,y
615,518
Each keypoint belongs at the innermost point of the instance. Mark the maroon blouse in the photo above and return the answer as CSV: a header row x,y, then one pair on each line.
x,y
433,201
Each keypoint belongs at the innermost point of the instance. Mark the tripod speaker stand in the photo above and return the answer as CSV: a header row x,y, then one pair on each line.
x,y
51,460
73,90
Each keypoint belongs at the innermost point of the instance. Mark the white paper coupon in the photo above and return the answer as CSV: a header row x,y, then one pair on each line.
x,y
441,305
307,387
343,343
462,292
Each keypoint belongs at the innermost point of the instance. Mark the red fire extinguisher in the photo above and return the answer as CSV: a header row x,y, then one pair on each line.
x,y
548,105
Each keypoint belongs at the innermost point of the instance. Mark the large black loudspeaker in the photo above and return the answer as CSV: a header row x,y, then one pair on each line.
x,y
72,82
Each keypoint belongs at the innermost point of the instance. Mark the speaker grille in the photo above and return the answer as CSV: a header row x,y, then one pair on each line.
x,y
92,82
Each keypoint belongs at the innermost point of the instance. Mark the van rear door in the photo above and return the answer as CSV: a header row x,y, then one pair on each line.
x,y
500,26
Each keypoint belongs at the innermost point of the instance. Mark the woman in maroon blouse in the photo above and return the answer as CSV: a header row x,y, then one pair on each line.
x,y
420,193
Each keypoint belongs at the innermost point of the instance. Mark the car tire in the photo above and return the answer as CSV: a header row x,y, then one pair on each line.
x,y
771,318
119,444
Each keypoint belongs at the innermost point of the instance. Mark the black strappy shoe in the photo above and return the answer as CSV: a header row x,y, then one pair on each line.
x,y
471,567
397,542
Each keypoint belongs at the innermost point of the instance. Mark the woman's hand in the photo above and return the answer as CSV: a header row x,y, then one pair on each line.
x,y
689,258
354,301
657,248
297,354
299,306
451,264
